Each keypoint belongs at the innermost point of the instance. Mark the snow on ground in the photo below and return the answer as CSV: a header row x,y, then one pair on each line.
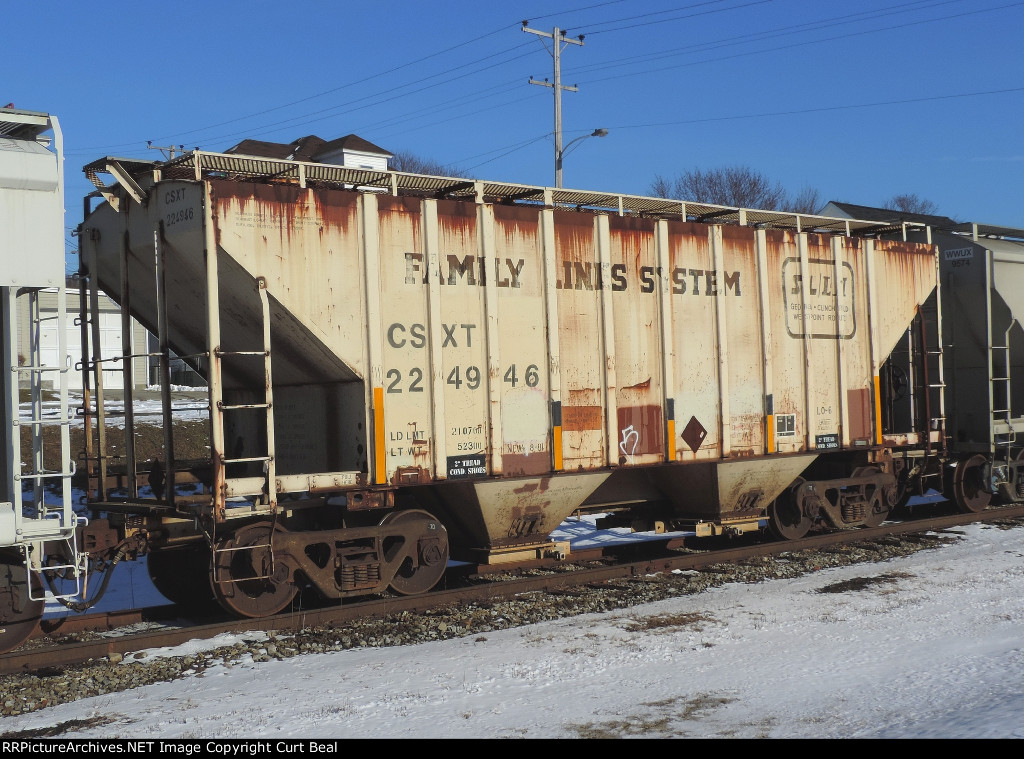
x,y
188,403
936,650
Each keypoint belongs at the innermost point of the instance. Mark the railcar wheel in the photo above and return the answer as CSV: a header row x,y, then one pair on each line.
x,y
246,579
182,575
787,519
968,485
19,614
880,505
426,553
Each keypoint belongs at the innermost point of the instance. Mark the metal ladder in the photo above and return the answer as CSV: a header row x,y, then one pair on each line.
x,y
267,489
934,412
936,407
44,523
999,395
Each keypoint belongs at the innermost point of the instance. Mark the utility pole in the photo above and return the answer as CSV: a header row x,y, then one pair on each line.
x,y
168,150
558,43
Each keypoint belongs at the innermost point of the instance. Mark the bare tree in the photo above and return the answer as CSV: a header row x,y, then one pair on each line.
x,y
910,203
808,200
661,187
411,163
729,186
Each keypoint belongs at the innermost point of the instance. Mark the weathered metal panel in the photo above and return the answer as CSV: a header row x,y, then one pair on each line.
x,y
462,363
635,296
581,341
787,349
735,289
176,210
904,277
826,291
522,340
31,213
304,243
521,508
409,366
850,310
746,487
698,399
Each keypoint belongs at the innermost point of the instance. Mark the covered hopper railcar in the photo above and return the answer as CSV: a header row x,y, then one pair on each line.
x,y
405,369
982,279
37,518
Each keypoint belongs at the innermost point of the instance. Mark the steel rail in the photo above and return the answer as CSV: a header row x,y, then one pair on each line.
x,y
28,659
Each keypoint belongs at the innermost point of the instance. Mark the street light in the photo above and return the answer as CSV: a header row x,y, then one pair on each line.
x,y
561,153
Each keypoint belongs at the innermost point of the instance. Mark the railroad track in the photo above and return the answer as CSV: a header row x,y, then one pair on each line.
x,y
476,584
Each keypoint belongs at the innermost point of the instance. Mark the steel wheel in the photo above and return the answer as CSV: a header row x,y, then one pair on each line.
x,y
968,485
246,579
787,519
19,615
425,549
182,575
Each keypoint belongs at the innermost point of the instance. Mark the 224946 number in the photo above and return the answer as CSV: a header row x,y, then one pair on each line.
x,y
183,214
470,376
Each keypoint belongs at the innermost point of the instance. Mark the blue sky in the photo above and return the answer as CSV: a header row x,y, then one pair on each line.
x,y
860,100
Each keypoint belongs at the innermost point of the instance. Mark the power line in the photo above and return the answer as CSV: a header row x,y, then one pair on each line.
x,y
328,92
513,149
595,30
368,101
815,41
772,114
769,33
822,109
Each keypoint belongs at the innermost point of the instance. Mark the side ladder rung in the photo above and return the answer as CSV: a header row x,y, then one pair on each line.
x,y
40,421
44,476
39,369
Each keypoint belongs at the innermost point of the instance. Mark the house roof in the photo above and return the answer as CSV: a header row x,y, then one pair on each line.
x,y
309,148
869,213
352,142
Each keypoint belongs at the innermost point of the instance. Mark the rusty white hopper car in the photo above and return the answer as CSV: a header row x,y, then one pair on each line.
x,y
404,369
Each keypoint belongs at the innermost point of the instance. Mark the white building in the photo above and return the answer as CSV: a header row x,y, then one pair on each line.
x,y
110,332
